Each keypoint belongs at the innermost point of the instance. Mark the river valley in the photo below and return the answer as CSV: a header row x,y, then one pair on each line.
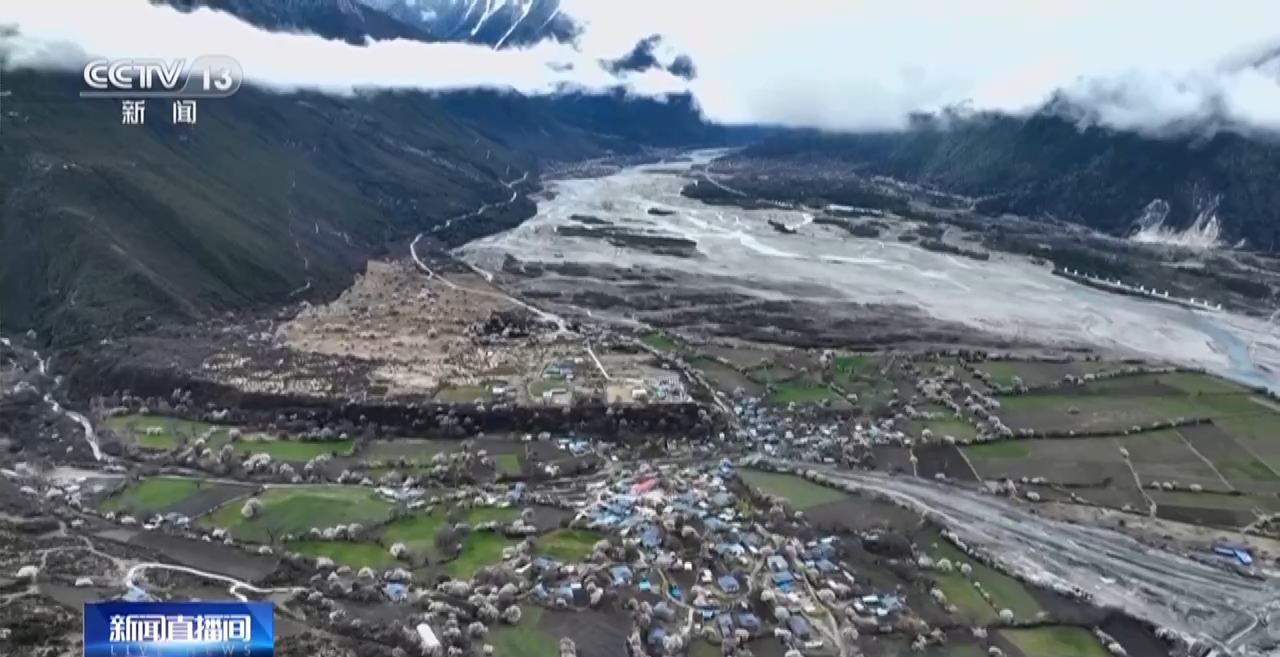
x,y
740,253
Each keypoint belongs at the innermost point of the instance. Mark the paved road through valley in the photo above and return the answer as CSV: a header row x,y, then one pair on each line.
x,y
1199,599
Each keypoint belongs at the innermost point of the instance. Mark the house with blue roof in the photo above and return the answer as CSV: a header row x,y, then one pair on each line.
x,y
725,622
630,522
748,621
135,594
820,551
621,575
729,549
1239,553
825,566
728,584
778,563
707,613
798,627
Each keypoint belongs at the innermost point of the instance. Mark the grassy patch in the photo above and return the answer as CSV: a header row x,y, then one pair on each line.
x,y
1216,406
507,463
1111,407
703,649
296,509
347,553
173,431
1245,468
418,532
800,392
525,639
464,394
1004,449
1259,427
658,340
151,495
961,593
951,426
414,450
769,373
1056,642
568,545
1267,503
479,549
548,384
1002,371
844,366
801,493
1006,592
1202,500
293,450
1195,384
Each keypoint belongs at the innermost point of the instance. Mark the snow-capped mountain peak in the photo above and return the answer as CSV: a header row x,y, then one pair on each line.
x,y
498,23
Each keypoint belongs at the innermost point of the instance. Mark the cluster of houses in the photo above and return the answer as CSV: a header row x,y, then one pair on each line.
x,y
667,388
698,556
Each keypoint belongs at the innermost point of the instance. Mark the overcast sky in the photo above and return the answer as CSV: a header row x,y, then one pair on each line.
x,y
834,64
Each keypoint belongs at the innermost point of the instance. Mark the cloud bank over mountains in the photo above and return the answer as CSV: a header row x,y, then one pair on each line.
x,y
847,66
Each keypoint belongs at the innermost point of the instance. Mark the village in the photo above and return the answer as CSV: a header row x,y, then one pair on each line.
x,y
679,558
789,526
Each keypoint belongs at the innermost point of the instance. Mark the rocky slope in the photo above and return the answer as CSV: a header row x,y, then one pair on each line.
x,y
345,20
1047,166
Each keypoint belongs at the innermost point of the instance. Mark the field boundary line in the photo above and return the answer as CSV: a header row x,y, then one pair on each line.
x,y
1265,403
969,464
1245,446
1252,453
1151,504
1207,462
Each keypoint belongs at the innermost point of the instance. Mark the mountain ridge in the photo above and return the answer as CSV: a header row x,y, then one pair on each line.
x,y
1051,165
496,23
107,229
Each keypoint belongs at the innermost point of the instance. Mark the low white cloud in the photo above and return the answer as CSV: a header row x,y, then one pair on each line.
x,y
66,33
848,65
867,64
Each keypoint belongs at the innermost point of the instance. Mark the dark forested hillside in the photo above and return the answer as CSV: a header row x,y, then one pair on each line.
x,y
1046,165
103,225
107,227
573,126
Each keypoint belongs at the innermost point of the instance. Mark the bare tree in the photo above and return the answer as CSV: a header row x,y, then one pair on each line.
x,y
274,533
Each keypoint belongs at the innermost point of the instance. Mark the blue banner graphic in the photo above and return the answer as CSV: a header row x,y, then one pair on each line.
x,y
179,629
